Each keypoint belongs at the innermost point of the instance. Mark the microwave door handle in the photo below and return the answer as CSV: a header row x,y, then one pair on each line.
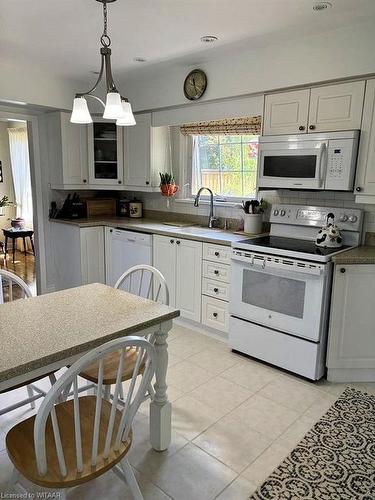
x,y
321,157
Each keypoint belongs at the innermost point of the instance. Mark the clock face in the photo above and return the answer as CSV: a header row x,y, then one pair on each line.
x,y
195,84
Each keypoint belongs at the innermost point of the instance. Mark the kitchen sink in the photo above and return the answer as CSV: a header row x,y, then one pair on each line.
x,y
199,230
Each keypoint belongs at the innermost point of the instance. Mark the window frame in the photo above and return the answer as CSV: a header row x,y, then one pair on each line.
x,y
220,200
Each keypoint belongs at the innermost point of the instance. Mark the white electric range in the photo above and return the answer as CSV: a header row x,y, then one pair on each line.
x,y
281,288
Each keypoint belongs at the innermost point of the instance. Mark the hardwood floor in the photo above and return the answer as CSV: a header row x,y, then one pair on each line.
x,y
24,267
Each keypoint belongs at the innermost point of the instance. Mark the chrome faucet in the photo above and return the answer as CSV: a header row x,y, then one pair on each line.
x,y
211,219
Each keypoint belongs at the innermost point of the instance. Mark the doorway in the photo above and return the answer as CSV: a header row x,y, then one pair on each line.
x,y
16,204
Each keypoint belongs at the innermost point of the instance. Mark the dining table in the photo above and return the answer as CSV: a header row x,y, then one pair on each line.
x,y
42,334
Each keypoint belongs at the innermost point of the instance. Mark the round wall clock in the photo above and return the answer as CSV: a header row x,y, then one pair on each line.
x,y
195,84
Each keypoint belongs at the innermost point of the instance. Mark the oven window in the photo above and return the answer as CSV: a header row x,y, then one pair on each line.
x,y
274,293
298,167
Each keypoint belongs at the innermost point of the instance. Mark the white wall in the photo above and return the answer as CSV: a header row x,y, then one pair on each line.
x,y
335,54
32,85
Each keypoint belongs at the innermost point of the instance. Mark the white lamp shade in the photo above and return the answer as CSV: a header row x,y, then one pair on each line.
x,y
113,108
128,118
80,113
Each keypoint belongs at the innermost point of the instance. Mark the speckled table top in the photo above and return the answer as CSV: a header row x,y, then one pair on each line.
x,y
359,255
42,330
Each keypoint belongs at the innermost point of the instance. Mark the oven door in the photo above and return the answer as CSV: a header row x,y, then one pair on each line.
x,y
284,294
298,165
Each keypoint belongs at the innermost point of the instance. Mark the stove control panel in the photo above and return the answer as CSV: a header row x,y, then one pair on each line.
x,y
302,215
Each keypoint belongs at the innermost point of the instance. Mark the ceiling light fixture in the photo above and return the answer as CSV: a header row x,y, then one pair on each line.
x,y
209,38
116,106
319,6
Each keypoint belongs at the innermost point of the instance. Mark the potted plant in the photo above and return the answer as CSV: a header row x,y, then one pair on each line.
x,y
168,186
4,202
253,217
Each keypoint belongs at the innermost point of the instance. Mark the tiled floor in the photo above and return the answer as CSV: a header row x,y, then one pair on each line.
x,y
234,420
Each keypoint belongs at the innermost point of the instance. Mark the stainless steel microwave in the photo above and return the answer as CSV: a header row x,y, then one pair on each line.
x,y
308,161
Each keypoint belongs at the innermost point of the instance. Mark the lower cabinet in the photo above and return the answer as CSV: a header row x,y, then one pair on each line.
x,y
78,255
180,261
351,349
215,286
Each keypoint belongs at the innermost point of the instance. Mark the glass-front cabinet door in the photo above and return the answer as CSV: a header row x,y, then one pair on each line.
x,y
106,163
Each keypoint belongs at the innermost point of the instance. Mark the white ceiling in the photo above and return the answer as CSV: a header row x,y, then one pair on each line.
x,y
63,35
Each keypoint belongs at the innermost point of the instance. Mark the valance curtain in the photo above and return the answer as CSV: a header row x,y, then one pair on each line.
x,y
19,159
231,126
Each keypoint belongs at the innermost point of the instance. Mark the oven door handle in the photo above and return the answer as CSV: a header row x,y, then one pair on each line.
x,y
295,267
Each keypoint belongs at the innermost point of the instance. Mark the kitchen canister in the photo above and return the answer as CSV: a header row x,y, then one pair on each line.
x,y
136,209
253,223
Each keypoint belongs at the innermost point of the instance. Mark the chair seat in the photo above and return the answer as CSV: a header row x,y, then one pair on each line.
x,y
21,450
110,367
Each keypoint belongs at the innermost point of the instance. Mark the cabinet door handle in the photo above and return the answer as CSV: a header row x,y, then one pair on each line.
x,y
214,315
171,241
216,271
301,127
342,270
217,254
216,290
312,127
147,183
84,180
120,182
178,242
358,189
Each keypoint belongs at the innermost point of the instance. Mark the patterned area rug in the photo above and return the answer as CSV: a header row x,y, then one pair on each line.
x,y
335,460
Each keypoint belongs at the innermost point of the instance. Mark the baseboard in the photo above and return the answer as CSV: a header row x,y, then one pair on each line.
x,y
351,375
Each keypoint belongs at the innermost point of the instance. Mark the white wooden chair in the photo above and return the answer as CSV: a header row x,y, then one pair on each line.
x,y
71,442
145,281
12,287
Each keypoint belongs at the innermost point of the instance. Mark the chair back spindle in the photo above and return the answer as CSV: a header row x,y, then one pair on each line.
x,y
145,281
119,420
8,281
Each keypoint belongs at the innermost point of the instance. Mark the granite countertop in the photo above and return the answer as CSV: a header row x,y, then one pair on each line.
x,y
359,255
193,232
49,328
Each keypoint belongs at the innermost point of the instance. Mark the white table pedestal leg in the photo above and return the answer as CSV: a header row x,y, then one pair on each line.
x,y
160,407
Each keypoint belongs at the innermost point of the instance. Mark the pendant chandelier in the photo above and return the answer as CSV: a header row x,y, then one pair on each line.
x,y
116,106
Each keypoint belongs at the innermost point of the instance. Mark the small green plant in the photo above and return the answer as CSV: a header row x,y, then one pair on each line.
x,y
4,202
254,206
166,178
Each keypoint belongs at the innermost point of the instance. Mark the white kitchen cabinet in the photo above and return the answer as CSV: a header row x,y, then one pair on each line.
x,y
146,153
180,261
78,254
105,155
92,255
67,152
286,112
336,107
365,180
164,259
215,313
351,350
328,108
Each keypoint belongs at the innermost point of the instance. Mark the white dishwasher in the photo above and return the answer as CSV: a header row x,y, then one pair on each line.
x,y
123,250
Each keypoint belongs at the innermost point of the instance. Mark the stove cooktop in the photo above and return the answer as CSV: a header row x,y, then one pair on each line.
x,y
290,246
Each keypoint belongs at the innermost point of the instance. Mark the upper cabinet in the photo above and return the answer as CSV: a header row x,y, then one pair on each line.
x,y
322,109
105,154
67,151
365,180
146,153
286,113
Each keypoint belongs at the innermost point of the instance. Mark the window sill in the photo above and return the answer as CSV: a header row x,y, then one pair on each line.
x,y
205,201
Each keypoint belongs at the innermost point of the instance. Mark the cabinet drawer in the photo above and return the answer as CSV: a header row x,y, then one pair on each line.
x,y
215,313
216,253
215,289
216,271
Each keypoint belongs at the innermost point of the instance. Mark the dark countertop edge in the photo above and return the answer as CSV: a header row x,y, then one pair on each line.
x,y
83,348
139,228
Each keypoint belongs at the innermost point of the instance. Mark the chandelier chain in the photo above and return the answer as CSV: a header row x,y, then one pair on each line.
x,y
105,39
